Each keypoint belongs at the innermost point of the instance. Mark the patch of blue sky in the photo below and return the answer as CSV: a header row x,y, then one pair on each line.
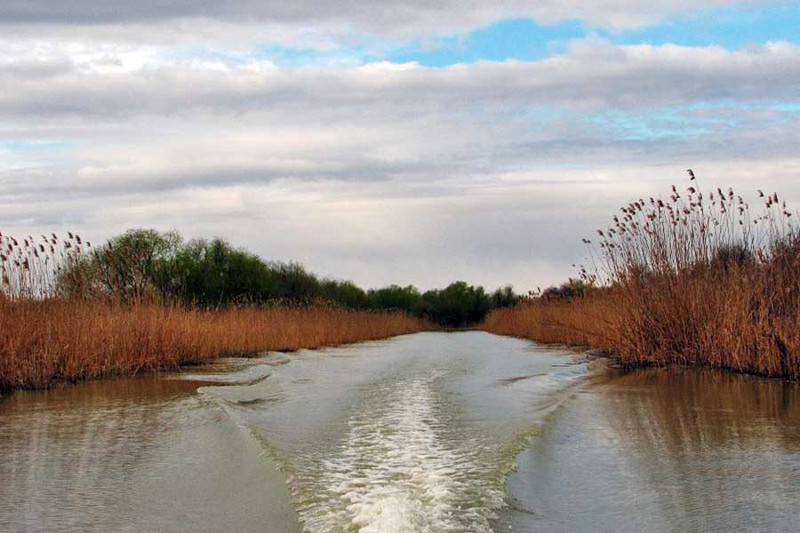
x,y
689,120
630,126
279,55
729,27
520,39
285,56
26,146
787,107
25,154
523,39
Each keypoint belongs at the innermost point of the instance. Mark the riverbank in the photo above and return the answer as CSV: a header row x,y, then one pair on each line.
x,y
43,343
700,281
730,323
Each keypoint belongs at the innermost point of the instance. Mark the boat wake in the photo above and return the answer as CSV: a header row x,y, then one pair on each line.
x,y
394,472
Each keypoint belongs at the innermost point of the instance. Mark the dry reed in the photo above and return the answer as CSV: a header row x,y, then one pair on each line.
x,y
54,340
694,280
48,336
30,267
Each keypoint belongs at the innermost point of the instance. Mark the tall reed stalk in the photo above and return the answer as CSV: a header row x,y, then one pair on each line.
x,y
31,267
691,279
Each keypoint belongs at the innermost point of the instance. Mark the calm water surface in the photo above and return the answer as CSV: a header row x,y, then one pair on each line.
x,y
434,432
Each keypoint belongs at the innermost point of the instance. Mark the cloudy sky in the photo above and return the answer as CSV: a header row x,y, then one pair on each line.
x,y
382,141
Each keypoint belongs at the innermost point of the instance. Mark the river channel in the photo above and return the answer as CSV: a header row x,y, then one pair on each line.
x,y
432,432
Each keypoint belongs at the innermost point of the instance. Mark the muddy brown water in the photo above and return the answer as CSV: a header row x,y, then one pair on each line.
x,y
431,432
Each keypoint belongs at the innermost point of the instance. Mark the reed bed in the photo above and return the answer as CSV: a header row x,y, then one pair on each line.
x,y
693,279
56,340
50,333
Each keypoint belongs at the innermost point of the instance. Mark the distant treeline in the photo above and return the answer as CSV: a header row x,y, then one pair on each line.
x,y
211,273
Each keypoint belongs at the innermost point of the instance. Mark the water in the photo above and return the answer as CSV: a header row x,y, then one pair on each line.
x,y
666,450
434,432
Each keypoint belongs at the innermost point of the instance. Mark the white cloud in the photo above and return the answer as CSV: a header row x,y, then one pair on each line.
x,y
591,75
386,173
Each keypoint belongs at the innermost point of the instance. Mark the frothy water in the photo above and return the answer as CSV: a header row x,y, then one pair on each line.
x,y
395,472
416,435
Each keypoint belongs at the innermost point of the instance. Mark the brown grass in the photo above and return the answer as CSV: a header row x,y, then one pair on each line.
x,y
47,337
54,340
695,281
574,322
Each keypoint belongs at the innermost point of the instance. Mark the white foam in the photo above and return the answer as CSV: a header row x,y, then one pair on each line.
x,y
394,474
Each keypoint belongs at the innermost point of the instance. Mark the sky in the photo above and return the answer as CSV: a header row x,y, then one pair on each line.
x,y
384,141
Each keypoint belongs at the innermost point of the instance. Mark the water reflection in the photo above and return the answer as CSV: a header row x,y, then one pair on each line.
x,y
125,455
666,450
691,409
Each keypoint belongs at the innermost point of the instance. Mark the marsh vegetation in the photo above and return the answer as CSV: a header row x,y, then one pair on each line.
x,y
147,301
691,279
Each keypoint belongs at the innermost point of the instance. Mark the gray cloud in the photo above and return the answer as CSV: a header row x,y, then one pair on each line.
x,y
407,16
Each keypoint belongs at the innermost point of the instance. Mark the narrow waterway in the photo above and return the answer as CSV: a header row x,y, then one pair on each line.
x,y
433,432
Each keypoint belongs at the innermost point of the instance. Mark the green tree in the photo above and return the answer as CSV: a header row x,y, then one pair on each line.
x,y
457,305
125,267
395,297
212,273
504,297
